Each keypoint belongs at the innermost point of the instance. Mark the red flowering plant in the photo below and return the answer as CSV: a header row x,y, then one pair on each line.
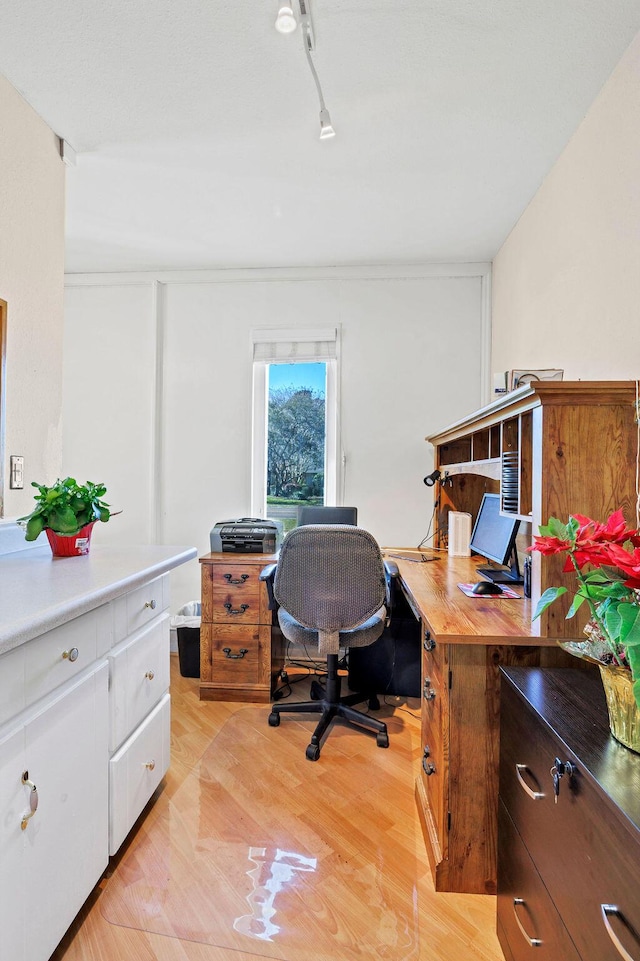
x,y
606,561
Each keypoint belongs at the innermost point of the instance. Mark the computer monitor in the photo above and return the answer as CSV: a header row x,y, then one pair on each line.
x,y
327,515
494,537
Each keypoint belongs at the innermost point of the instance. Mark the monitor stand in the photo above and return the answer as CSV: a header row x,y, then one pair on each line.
x,y
501,575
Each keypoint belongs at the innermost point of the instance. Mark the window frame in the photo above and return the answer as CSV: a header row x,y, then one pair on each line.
x,y
260,407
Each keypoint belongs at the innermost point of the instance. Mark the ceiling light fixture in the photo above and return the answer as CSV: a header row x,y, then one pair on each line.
x,y
286,20
286,23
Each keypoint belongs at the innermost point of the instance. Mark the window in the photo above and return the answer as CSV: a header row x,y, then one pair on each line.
x,y
294,421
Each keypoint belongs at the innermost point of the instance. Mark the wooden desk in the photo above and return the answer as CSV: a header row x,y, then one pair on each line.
x,y
465,641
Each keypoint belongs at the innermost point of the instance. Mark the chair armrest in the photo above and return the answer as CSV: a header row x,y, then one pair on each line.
x,y
267,575
391,571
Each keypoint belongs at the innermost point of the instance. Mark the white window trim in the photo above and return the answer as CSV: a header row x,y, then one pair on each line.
x,y
332,463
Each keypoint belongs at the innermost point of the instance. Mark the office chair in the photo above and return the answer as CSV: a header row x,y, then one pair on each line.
x,y
327,515
330,589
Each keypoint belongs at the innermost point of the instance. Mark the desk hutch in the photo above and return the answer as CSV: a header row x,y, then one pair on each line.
x,y
571,447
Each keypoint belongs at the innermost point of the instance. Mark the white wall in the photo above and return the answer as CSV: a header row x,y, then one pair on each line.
x,y
566,283
411,348
31,281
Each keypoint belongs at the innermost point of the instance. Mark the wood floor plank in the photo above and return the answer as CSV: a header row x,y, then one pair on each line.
x,y
214,804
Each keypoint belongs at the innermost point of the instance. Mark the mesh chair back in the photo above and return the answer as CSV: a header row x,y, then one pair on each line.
x,y
330,578
327,515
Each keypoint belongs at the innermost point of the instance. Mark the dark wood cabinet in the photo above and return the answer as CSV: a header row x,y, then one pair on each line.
x,y
569,822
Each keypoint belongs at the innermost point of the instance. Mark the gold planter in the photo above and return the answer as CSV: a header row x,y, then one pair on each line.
x,y
624,714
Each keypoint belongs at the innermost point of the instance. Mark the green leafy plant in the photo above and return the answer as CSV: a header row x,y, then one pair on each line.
x,y
605,559
65,507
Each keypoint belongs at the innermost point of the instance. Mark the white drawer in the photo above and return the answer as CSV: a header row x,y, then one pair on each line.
x,y
138,607
60,654
136,770
139,677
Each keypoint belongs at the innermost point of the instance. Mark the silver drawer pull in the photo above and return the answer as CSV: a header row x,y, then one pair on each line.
x,y
151,604
33,800
536,795
149,675
150,765
532,942
71,655
608,909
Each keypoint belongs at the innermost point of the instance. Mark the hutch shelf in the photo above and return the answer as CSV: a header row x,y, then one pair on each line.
x,y
550,449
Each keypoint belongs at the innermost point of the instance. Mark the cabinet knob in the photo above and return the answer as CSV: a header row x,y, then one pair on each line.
x,y
428,767
427,691
429,642
149,675
150,765
33,799
151,604
71,655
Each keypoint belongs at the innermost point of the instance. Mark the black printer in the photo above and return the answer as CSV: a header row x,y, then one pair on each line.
x,y
246,535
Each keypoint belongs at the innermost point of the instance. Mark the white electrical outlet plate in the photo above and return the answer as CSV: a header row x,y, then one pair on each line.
x,y
16,472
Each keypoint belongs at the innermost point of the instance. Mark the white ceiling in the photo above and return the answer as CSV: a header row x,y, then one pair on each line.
x,y
196,123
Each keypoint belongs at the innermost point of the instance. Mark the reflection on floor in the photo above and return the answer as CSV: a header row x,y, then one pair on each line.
x,y
251,851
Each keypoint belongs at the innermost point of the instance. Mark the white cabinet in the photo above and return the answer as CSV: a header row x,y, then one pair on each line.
x,y
84,727
140,712
51,861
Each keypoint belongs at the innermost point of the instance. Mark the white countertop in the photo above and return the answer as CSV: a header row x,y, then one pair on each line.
x,y
39,592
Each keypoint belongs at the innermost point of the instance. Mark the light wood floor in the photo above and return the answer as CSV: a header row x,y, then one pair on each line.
x,y
190,884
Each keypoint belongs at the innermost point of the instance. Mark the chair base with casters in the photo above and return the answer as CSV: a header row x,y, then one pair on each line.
x,y
330,705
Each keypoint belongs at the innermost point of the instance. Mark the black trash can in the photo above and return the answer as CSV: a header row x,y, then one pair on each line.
x,y
187,627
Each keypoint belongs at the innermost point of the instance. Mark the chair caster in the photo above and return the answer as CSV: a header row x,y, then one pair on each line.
x,y
316,692
313,752
274,719
382,739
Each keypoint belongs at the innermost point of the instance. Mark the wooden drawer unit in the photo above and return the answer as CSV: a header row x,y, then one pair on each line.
x,y
241,652
572,796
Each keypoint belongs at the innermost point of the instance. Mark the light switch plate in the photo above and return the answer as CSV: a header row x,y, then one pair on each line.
x,y
16,472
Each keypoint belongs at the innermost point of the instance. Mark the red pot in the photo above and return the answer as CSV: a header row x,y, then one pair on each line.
x,y
70,545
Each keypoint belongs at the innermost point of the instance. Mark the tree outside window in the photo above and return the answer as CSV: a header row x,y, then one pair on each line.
x,y
296,439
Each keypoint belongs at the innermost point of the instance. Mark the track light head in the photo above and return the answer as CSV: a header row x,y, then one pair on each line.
x,y
326,128
286,19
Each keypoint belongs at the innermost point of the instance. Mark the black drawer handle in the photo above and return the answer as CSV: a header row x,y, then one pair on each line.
x,y
236,580
235,657
429,642
532,942
428,767
535,795
612,909
230,609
